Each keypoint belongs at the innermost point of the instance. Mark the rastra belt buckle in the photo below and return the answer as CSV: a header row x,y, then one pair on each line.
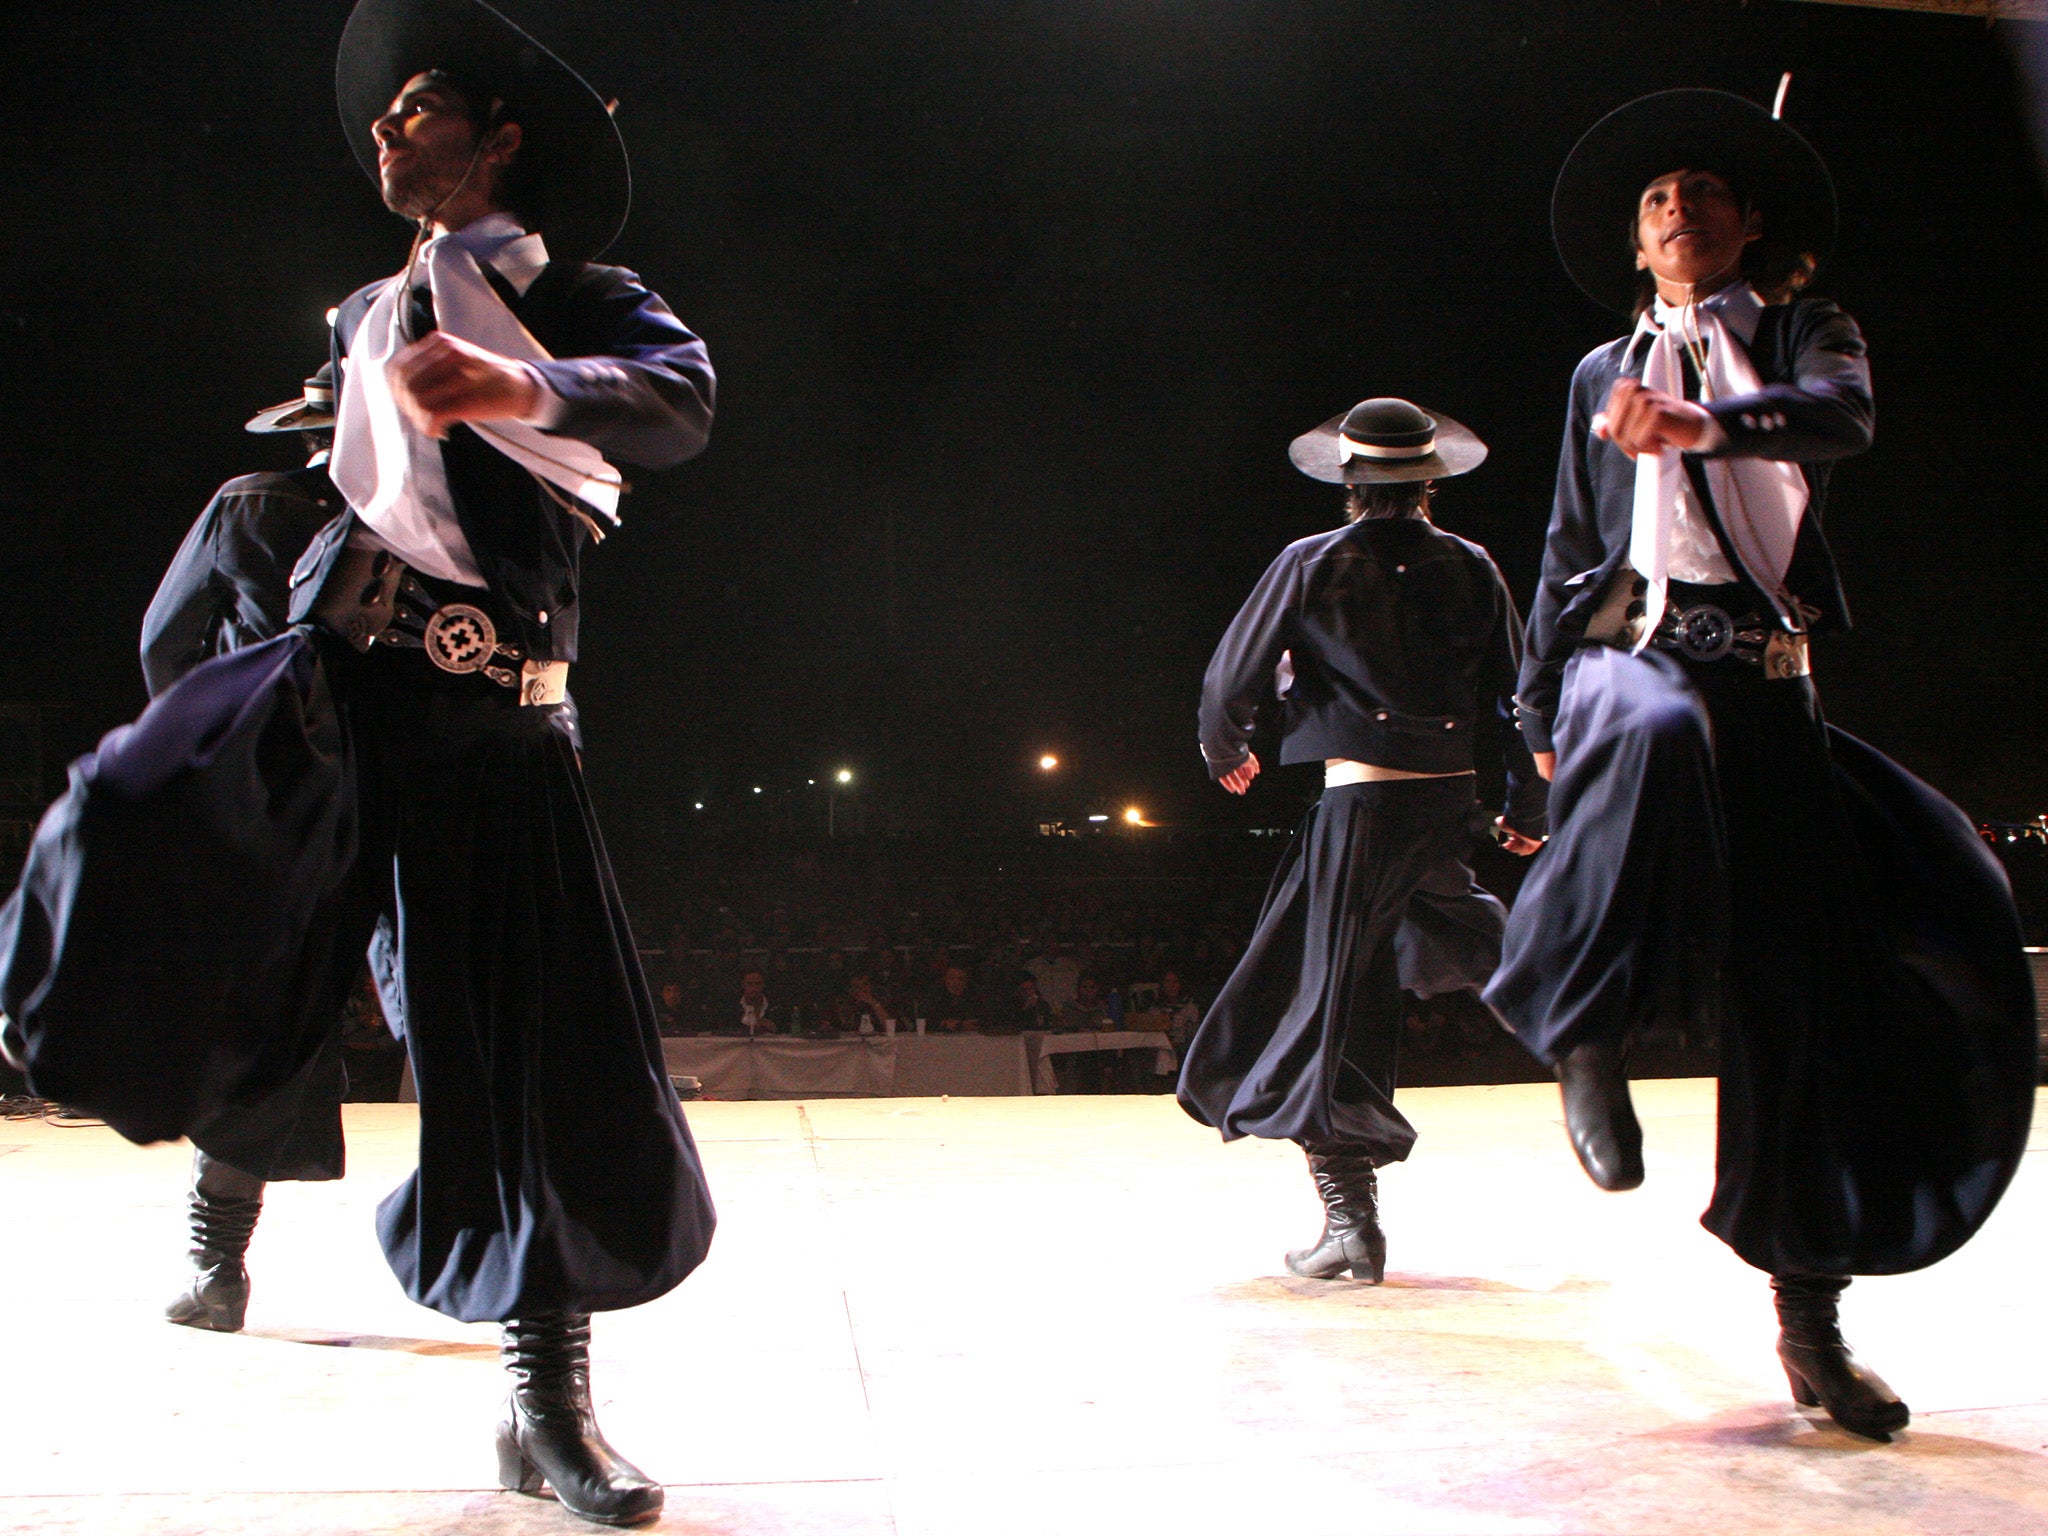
x,y
1705,633
460,638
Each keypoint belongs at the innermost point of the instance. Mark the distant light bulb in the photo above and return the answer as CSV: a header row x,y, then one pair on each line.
x,y
700,805
1048,762
1134,816
757,789
844,775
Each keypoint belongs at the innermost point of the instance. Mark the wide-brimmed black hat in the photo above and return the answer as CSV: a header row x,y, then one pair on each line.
x,y
313,411
1593,208
1387,439
574,160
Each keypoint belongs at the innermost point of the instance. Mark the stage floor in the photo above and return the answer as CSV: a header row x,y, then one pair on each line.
x,y
1031,1315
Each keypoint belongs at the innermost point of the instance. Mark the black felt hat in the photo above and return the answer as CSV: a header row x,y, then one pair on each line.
x,y
575,162
313,411
1386,439
1594,205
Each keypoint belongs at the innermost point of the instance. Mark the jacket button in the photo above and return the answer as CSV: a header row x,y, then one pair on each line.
x,y
1749,421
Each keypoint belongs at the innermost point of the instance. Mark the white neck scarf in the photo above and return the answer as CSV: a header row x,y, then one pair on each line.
x,y
391,473
1761,501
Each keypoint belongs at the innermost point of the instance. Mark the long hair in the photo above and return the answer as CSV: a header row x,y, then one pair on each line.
x,y
1387,498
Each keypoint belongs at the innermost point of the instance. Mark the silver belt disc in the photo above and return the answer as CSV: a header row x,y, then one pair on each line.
x,y
460,638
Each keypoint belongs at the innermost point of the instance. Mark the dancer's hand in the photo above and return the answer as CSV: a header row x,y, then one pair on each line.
x,y
442,379
1546,765
1515,842
1639,420
1239,779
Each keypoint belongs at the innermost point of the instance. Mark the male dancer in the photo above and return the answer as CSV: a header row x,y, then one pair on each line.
x,y
405,747
227,588
1389,637
1721,855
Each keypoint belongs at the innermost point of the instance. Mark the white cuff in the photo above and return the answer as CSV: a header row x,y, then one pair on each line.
x,y
551,410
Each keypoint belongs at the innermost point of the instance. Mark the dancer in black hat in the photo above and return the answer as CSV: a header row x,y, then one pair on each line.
x,y
195,907
1721,856
1390,640
227,588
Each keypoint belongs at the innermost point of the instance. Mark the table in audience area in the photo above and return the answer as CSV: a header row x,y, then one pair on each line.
x,y
872,1066
1045,1047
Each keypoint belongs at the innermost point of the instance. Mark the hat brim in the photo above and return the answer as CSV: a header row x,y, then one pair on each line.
x,y
579,161
1593,207
292,416
1458,451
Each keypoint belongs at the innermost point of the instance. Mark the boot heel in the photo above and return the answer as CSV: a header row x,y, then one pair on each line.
x,y
1802,1394
514,1470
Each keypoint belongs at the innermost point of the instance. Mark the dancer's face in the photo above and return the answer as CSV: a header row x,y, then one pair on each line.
x,y
428,161
1691,229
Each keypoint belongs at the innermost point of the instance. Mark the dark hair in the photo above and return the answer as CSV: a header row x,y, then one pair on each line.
x,y
488,107
1776,272
1386,498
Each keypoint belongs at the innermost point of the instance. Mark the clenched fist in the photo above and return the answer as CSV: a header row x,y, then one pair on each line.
x,y
1639,420
442,379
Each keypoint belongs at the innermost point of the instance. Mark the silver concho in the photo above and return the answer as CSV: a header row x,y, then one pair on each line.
x,y
460,638
1705,633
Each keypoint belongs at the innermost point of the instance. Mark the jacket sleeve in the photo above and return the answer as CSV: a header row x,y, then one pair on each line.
x,y
1241,672
1824,412
1528,795
180,622
640,387
1573,551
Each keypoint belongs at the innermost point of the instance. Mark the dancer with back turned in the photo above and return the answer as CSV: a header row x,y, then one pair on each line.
x,y
1391,641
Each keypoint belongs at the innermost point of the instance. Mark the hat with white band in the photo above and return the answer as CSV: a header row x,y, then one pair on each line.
x,y
313,411
1386,440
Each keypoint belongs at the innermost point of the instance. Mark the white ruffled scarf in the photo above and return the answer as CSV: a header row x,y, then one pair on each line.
x,y
389,471
1761,501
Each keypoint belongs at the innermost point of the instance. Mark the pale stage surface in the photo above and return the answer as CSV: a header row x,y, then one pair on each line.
x,y
1031,1315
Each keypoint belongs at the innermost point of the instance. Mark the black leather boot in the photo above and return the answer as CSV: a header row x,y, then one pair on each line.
x,y
1599,1116
1818,1365
1351,1238
550,1432
225,1205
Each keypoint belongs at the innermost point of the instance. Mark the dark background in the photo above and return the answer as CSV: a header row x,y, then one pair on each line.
x,y
1016,305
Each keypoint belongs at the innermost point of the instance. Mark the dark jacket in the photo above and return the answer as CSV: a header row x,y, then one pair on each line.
x,y
639,388
1399,635
1814,407
227,586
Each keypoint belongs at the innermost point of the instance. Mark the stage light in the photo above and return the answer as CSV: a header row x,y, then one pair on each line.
x,y
757,789
1047,763
1098,818
810,781
1134,816
699,805
844,776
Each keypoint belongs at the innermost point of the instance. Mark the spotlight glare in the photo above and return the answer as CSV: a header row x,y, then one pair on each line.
x,y
1134,816
1048,762
844,776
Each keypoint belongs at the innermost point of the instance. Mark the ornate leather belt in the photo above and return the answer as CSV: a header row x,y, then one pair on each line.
x,y
1704,632
373,598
